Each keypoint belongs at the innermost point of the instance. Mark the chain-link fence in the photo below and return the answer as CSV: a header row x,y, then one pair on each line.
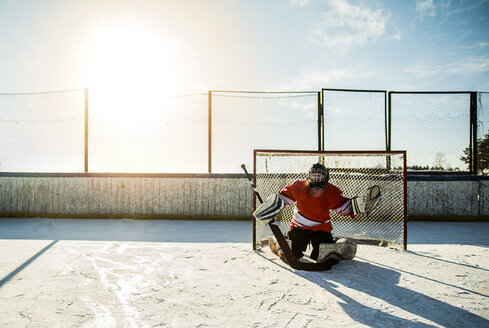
x,y
163,134
243,121
42,131
442,132
354,119
215,132
435,129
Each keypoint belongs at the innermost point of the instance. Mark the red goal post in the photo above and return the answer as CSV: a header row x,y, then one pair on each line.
x,y
352,172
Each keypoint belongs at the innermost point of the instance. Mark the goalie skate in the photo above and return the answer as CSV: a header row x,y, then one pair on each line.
x,y
344,248
275,248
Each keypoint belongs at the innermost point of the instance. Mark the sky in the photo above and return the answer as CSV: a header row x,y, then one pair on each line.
x,y
132,53
245,45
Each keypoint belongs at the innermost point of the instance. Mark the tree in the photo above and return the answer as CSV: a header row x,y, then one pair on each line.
x,y
482,155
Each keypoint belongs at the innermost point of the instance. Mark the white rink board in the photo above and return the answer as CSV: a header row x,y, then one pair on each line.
x,y
199,197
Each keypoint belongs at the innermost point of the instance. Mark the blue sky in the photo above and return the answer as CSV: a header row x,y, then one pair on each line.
x,y
253,44
130,54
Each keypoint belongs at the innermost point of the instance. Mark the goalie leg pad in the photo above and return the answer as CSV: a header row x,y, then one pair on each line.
x,y
344,248
269,209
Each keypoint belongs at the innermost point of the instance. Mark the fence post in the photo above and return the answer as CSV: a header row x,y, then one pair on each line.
x,y
473,132
388,122
209,132
86,130
320,122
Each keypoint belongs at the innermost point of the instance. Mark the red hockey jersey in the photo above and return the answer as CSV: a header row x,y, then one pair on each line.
x,y
312,213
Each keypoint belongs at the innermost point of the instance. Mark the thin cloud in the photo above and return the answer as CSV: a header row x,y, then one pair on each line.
x,y
425,8
312,80
475,46
472,65
359,77
300,3
316,80
346,25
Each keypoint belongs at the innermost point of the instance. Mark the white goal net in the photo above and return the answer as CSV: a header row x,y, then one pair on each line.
x,y
353,173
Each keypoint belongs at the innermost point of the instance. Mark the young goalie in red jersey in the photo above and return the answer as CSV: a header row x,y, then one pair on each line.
x,y
314,197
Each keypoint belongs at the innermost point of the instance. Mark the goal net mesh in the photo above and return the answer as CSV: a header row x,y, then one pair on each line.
x,y
351,172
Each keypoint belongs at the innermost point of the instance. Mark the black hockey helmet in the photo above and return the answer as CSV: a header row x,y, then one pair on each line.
x,y
318,176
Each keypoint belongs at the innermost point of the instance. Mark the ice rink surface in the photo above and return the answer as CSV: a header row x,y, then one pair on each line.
x,y
163,273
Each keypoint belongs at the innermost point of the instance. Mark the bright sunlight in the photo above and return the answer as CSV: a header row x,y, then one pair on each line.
x,y
133,72
130,68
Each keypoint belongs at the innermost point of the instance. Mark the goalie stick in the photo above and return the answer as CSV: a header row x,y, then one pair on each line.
x,y
289,256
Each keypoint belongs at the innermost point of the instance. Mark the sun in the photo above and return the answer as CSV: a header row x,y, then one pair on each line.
x,y
133,73
130,67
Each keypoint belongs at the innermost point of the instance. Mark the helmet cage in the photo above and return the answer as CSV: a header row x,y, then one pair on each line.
x,y
318,176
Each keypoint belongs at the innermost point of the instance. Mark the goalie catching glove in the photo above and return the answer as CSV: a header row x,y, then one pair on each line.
x,y
366,203
269,209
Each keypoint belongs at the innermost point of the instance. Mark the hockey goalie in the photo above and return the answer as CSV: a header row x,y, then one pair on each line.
x,y
315,197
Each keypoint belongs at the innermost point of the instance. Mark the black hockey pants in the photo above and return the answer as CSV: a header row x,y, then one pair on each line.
x,y
300,239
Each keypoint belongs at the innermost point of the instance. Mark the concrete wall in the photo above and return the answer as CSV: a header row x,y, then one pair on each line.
x,y
202,196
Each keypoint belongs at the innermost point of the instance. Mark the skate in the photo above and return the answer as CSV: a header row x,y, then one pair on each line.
x,y
344,249
275,248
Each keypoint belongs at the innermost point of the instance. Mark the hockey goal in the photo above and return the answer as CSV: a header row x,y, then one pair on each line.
x,y
351,171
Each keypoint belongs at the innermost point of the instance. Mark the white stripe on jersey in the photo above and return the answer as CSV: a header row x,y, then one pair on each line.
x,y
345,209
287,200
300,220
